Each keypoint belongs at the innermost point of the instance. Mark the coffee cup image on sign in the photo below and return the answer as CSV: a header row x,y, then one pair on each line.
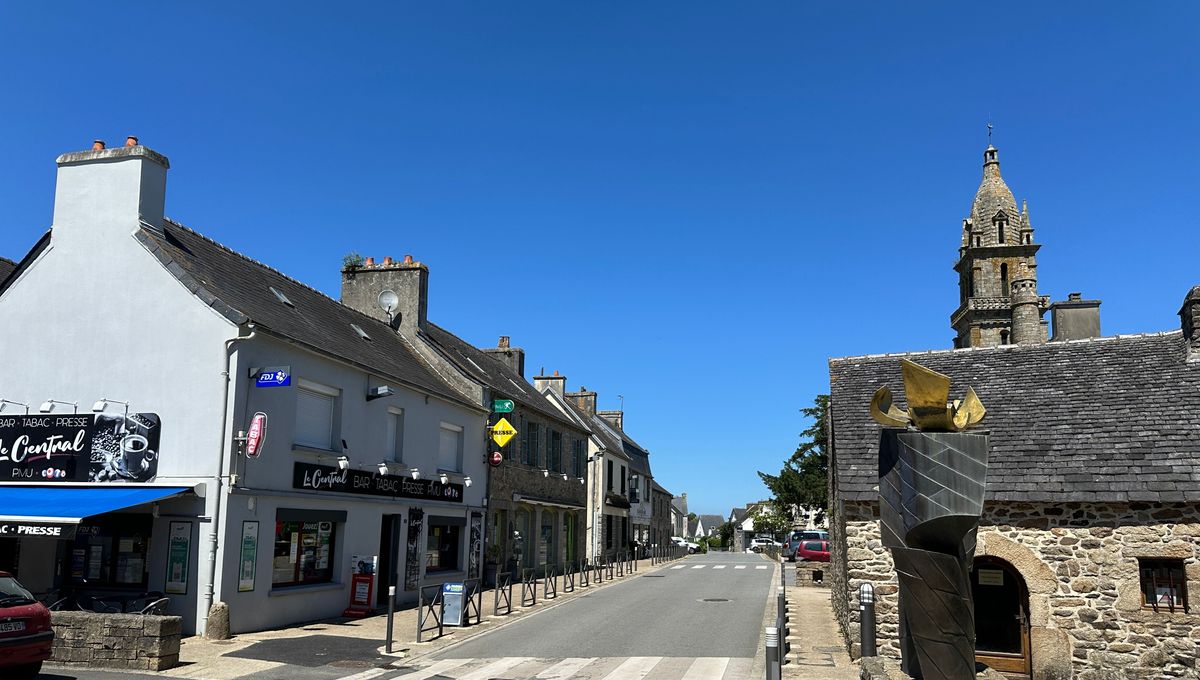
x,y
125,448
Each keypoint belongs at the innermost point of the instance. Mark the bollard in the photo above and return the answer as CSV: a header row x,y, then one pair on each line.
x,y
391,614
866,619
774,670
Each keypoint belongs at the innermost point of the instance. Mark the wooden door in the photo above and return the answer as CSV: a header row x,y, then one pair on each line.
x,y
1001,616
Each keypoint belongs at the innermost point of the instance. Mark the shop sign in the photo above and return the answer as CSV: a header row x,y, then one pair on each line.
x,y
256,435
496,458
502,406
273,376
36,529
249,558
314,477
79,448
502,432
179,547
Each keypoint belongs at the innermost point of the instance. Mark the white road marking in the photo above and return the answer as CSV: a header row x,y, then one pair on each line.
x,y
679,567
740,566
436,669
368,674
707,668
564,669
634,668
698,566
760,567
719,566
494,668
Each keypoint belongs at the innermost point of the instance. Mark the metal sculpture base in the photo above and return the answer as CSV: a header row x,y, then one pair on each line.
x,y
931,495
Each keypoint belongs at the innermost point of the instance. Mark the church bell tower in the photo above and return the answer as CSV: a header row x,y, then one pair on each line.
x,y
997,269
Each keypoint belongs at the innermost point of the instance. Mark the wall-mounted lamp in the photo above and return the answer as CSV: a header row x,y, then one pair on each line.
x,y
14,403
545,473
100,405
378,392
581,480
466,481
595,457
383,468
443,478
416,474
343,463
48,405
564,476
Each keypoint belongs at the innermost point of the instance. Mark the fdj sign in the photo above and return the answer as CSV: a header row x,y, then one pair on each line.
x,y
273,376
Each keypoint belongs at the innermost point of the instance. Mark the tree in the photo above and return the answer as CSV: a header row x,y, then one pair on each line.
x,y
725,532
804,480
691,517
772,521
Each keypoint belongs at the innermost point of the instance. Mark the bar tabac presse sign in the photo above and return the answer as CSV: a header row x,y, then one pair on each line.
x,y
314,477
79,448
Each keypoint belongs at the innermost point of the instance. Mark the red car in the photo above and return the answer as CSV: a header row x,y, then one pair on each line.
x,y
25,633
813,551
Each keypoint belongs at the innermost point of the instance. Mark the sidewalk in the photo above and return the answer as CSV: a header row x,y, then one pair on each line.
x,y
355,643
817,651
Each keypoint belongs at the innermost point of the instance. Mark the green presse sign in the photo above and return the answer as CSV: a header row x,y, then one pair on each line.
x,y
502,406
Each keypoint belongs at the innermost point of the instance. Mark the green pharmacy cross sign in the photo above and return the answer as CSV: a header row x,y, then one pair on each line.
x,y
502,406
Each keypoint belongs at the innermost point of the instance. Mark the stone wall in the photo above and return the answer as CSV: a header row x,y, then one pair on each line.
x,y
812,574
1080,566
128,641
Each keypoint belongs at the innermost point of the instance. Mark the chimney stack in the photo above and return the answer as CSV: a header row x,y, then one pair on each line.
x,y
362,285
1189,315
583,399
131,141
557,383
104,194
614,418
1075,318
1026,317
513,357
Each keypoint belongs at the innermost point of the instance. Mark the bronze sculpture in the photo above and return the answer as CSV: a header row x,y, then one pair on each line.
x,y
931,484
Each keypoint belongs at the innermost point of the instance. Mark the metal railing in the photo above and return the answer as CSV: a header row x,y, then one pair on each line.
x,y
621,562
430,606
503,593
550,583
568,577
584,572
529,586
473,605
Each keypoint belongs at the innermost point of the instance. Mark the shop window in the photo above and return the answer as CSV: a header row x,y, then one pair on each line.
x,y
442,547
450,448
316,415
1164,584
303,552
395,435
111,552
529,448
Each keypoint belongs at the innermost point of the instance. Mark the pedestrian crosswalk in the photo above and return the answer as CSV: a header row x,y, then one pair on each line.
x,y
758,567
595,668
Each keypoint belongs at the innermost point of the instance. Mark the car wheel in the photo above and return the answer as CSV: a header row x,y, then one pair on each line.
x,y
27,672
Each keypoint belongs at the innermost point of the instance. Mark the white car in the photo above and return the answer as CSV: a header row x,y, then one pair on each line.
x,y
683,543
760,544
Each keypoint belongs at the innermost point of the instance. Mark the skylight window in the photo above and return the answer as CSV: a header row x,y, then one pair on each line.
x,y
361,333
281,297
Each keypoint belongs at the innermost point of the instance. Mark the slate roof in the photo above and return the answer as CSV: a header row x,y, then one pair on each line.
x,y
1108,419
490,371
711,522
6,267
655,486
609,437
240,289
691,526
639,458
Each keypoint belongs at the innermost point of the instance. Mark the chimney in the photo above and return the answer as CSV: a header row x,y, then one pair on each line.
x,y
513,357
584,401
1026,317
557,383
362,286
614,418
1075,318
1189,314
104,194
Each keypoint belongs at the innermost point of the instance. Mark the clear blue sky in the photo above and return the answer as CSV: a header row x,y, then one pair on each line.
x,y
691,204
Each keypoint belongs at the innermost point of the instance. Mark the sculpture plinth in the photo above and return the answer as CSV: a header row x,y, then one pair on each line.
x,y
931,495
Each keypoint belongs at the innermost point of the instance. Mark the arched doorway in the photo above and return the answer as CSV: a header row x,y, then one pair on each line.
x,y
1001,616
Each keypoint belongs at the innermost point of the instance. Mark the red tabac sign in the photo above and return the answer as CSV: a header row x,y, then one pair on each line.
x,y
496,458
257,435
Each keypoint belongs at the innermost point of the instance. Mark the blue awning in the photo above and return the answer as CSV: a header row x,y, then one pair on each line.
x,y
70,504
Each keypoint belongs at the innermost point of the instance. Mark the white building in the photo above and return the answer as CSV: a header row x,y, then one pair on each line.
x,y
366,453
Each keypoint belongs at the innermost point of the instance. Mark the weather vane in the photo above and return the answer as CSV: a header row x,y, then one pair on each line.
x,y
989,133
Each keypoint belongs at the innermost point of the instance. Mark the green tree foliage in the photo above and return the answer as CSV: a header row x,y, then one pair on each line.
x,y
772,521
725,533
804,479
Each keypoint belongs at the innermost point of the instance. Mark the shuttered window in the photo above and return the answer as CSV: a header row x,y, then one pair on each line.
x,y
450,448
315,411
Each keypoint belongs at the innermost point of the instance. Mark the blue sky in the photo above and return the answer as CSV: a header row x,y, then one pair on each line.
x,y
693,205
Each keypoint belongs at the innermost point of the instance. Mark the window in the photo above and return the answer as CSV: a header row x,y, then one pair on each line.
x,y
556,463
442,547
111,551
1164,584
529,452
1004,337
316,415
450,448
577,458
303,552
609,476
635,489
395,435
1004,291
622,480
1000,231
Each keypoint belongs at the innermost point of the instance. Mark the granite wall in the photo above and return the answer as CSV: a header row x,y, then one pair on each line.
x,y
128,641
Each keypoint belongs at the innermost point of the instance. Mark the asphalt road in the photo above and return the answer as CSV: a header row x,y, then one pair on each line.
x,y
688,609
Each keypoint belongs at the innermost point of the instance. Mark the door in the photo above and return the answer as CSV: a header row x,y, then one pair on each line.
x,y
1001,616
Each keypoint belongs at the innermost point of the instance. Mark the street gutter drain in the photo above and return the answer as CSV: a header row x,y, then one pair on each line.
x,y
714,599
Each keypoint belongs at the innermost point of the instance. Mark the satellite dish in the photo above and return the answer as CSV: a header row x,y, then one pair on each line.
x,y
388,301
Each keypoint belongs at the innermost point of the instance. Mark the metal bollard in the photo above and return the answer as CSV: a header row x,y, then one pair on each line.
x,y
774,670
866,619
391,614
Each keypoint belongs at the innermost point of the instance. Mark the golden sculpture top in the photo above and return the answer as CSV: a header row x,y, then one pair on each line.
x,y
929,405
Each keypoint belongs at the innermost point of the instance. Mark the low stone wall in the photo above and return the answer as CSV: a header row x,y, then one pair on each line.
x,y
876,668
130,641
812,574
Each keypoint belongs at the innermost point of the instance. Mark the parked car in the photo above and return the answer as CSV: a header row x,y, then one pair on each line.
x,y
25,632
683,543
813,551
761,544
799,536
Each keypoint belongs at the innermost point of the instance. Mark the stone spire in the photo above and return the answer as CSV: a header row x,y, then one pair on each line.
x,y
994,204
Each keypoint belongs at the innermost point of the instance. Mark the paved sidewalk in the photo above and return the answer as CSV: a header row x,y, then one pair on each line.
x,y
339,646
817,652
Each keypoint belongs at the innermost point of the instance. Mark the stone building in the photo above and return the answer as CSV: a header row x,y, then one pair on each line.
x,y
660,515
6,268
